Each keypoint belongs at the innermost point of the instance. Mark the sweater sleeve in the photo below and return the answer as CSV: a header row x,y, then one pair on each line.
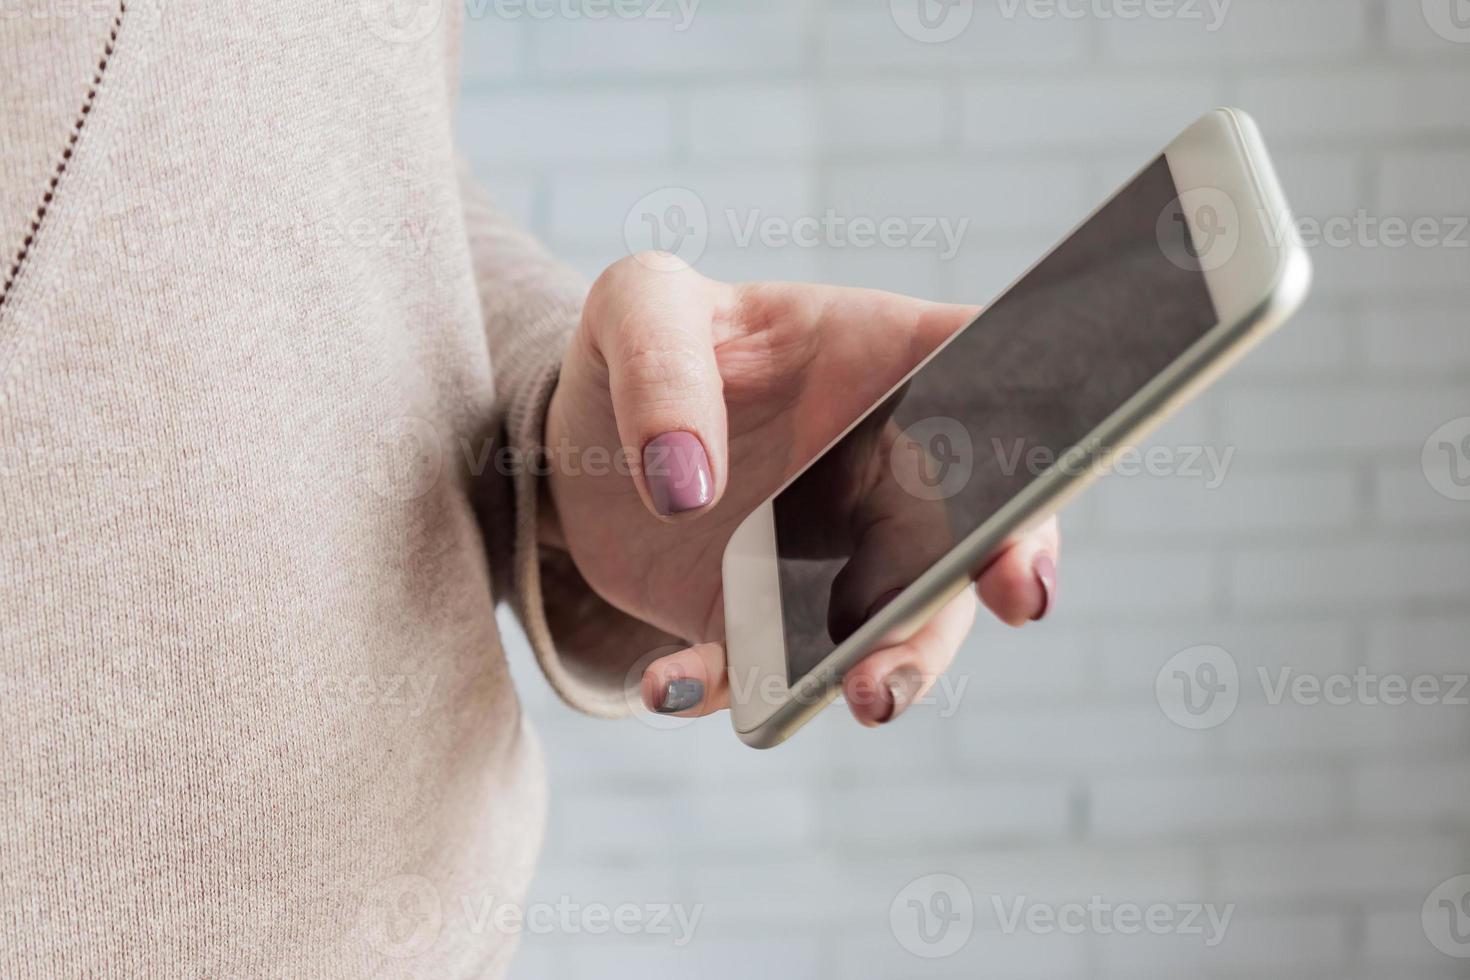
x,y
531,305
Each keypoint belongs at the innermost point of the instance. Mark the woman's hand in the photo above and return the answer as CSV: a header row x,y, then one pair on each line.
x,y
717,393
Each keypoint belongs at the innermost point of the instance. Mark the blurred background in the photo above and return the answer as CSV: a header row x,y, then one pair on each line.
x,y
1238,746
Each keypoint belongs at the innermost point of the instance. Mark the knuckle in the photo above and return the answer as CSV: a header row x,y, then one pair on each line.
x,y
638,267
662,374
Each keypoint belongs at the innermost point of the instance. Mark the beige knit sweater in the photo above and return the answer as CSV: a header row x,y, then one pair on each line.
x,y
255,336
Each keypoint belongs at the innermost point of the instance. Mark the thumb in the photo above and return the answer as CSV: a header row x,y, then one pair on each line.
x,y
691,682
651,317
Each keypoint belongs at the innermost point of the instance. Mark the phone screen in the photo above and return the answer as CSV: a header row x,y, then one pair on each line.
x,y
1096,320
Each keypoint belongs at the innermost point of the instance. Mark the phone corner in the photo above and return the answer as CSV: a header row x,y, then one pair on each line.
x,y
762,737
1295,283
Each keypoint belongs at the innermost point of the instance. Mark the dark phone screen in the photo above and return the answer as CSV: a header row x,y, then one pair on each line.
x,y
1096,320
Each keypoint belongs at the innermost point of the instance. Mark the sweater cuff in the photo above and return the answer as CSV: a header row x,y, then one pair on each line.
x,y
586,648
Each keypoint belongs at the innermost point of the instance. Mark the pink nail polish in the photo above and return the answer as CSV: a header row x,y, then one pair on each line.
x,y
1046,573
676,470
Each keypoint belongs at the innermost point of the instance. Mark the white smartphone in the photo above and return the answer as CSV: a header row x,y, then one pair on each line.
x,y
1139,308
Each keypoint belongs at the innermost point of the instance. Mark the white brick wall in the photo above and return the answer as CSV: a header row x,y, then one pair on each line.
x,y
1056,777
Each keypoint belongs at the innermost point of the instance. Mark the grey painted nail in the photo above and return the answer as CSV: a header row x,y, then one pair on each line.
x,y
682,694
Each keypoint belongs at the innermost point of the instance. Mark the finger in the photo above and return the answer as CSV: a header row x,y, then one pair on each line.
x,y
885,683
867,338
689,683
1020,585
891,332
650,317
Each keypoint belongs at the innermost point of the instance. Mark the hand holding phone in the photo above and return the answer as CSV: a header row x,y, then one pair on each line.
x,y
1139,308
760,376
797,435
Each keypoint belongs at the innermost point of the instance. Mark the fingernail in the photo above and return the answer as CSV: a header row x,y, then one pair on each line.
x,y
681,694
1046,574
677,471
902,687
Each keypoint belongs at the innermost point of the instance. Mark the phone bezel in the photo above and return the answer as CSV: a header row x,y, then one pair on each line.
x,y
1262,282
